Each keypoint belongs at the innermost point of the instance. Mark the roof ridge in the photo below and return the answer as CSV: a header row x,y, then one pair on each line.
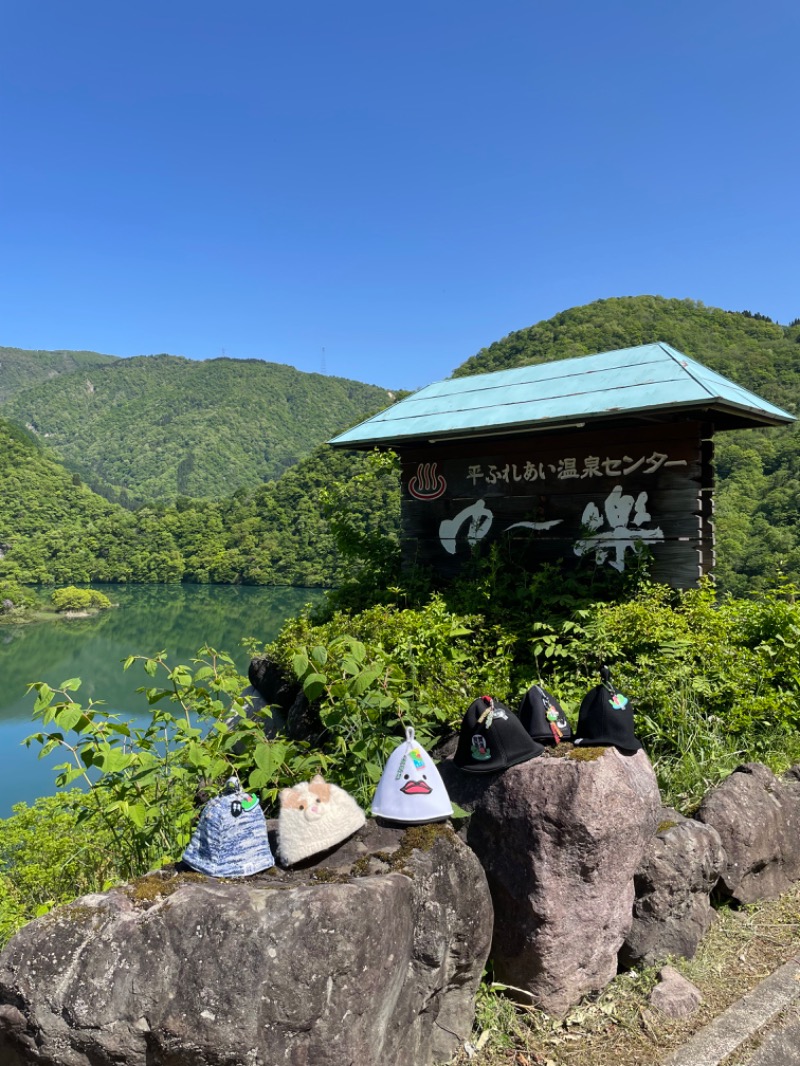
x,y
673,353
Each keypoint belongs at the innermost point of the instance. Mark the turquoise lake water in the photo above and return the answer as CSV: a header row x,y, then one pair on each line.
x,y
148,619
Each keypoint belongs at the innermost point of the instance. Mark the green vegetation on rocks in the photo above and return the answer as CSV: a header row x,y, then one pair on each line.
x,y
74,599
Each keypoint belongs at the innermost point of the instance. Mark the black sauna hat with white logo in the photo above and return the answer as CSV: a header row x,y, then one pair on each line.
x,y
606,718
492,738
541,714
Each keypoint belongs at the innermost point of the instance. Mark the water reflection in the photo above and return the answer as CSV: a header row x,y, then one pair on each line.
x,y
149,619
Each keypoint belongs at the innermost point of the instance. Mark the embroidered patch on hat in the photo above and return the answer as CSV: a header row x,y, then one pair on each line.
x,y
411,789
492,738
231,836
605,718
542,716
315,816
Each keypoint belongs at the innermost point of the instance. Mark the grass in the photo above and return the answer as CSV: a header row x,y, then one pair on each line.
x,y
618,1025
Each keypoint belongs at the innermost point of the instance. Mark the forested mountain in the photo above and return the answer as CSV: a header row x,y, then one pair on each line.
x,y
54,530
152,428
20,369
273,530
746,347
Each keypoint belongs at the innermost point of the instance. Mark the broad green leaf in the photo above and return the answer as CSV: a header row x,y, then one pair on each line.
x,y
43,699
112,760
68,777
269,756
137,813
358,651
319,655
198,756
68,716
314,686
258,779
299,665
365,679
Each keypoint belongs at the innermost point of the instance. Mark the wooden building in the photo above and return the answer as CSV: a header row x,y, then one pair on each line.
x,y
591,456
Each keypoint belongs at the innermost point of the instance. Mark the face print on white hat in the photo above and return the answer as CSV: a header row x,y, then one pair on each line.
x,y
411,789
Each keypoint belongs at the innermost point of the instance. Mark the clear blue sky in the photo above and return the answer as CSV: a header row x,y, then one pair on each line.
x,y
399,184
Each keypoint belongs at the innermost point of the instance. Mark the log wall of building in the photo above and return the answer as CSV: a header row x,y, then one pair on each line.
x,y
561,496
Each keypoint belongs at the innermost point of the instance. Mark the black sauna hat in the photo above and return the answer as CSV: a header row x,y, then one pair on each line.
x,y
606,718
541,714
492,738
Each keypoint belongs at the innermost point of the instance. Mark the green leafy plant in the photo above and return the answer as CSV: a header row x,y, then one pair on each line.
x,y
75,599
143,781
49,855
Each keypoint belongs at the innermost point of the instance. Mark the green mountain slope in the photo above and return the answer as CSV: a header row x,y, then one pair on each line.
x,y
156,427
54,530
759,354
20,368
272,530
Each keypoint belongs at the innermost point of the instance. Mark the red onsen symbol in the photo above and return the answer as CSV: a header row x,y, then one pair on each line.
x,y
426,483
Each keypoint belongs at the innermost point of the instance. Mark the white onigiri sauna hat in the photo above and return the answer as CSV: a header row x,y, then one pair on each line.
x,y
411,789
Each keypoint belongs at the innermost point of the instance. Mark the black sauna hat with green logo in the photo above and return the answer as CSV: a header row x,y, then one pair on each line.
x,y
541,714
606,718
492,738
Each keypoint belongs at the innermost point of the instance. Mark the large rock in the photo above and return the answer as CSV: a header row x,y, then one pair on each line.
x,y
672,910
560,838
294,715
757,816
371,956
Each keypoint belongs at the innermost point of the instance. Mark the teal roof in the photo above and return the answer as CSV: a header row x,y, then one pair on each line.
x,y
649,381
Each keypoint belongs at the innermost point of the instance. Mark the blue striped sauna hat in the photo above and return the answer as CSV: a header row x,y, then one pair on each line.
x,y
231,837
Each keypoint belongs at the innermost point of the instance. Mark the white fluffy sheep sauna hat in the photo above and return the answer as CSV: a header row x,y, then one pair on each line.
x,y
411,789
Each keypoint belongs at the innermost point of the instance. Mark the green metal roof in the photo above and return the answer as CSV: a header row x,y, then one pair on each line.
x,y
649,381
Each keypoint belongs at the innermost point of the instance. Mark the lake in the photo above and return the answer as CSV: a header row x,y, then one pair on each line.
x,y
148,619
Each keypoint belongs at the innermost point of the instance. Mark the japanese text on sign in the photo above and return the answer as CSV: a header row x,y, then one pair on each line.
x,y
566,469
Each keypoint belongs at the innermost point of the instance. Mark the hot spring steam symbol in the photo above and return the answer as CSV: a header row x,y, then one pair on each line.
x,y
426,483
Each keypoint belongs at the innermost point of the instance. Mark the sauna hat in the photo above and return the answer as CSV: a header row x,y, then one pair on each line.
x,y
492,738
314,817
542,716
605,718
231,837
411,788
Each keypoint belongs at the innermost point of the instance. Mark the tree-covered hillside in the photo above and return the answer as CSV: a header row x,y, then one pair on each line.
x,y
153,428
263,530
54,530
20,368
748,348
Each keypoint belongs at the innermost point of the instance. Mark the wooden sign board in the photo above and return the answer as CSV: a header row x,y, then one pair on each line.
x,y
563,496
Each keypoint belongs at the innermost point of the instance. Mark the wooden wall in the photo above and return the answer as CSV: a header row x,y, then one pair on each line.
x,y
562,495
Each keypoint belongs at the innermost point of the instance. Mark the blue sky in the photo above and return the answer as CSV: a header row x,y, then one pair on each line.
x,y
395,184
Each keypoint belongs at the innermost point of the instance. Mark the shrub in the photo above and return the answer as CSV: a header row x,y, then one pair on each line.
x,y
714,682
49,855
75,599
16,595
143,783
